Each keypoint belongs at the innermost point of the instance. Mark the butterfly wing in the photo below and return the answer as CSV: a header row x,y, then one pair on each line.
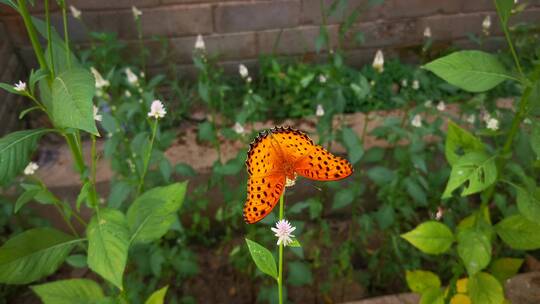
x,y
292,144
322,165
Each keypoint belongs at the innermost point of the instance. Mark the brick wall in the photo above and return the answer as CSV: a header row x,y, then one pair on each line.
x,y
240,30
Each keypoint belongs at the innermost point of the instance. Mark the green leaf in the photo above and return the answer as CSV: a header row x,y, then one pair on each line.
x,y
343,198
432,296
158,296
519,233
504,10
83,194
472,71
207,133
528,203
9,88
263,258
295,243
25,197
119,193
77,260
15,150
299,274
72,107
459,142
35,77
185,170
80,291
353,145
476,170
430,237
108,243
33,254
152,214
381,175
505,268
535,138
421,280
485,289
474,249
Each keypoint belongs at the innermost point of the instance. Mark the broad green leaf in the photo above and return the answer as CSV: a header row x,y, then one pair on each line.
x,y
206,132
158,296
24,198
34,254
485,289
343,198
263,258
474,249
108,243
381,175
505,268
519,233
77,260
353,145
35,77
475,170
72,93
421,280
80,291
299,274
15,150
528,203
430,237
152,214
432,296
119,193
460,142
472,71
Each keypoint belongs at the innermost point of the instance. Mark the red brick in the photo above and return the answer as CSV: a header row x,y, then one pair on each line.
x,y
293,41
253,16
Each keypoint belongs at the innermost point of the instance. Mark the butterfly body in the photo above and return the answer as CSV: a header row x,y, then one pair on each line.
x,y
282,154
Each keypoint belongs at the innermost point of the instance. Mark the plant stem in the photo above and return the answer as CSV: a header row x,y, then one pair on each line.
x,y
49,38
66,36
27,19
280,275
504,26
147,157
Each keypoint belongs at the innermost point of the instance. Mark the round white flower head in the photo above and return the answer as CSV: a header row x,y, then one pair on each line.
x,y
127,93
428,103
404,83
486,24
100,82
322,78
31,168
372,83
20,86
319,112
493,124
157,110
441,106
427,32
238,128
76,13
243,71
97,116
527,121
136,12
131,77
248,79
283,231
471,118
417,121
199,43
378,61
416,84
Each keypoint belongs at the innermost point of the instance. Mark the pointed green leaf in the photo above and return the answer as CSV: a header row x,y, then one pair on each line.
x,y
80,291
476,170
353,145
528,203
459,142
519,233
485,289
432,296
24,198
263,258
421,280
474,249
430,237
158,297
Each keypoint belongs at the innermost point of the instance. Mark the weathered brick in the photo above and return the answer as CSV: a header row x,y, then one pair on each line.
x,y
253,16
108,4
402,32
456,26
391,9
293,41
312,11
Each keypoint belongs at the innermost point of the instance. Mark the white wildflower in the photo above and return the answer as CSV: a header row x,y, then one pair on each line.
x,y
441,106
136,12
372,83
319,112
31,168
470,118
404,83
131,77
428,103
527,121
199,44
248,79
493,124
486,25
97,116
427,32
20,86
100,82
416,84
322,78
243,71
157,110
238,128
76,13
417,121
127,93
378,61
283,231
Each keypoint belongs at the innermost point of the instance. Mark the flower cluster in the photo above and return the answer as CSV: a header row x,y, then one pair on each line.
x,y
283,231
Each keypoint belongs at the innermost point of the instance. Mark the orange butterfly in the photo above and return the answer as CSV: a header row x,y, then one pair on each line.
x,y
281,154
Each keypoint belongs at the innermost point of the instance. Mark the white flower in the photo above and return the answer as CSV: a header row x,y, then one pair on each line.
x,y
493,124
199,44
416,121
486,117
157,110
527,121
283,232
97,116
441,106
100,82
31,168
471,118
238,128
416,84
248,79
319,112
378,61
404,83
486,24
75,12
322,78
427,32
136,12
20,86
428,103
372,83
131,77
243,70
127,93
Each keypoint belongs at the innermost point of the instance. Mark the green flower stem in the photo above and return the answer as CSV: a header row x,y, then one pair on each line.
x,y
49,38
66,36
508,40
280,274
147,157
23,10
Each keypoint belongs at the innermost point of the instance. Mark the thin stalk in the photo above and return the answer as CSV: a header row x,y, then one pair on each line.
x,y
66,36
280,275
27,19
75,152
508,40
147,157
49,37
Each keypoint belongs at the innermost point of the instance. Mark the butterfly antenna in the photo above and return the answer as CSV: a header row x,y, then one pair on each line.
x,y
313,185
